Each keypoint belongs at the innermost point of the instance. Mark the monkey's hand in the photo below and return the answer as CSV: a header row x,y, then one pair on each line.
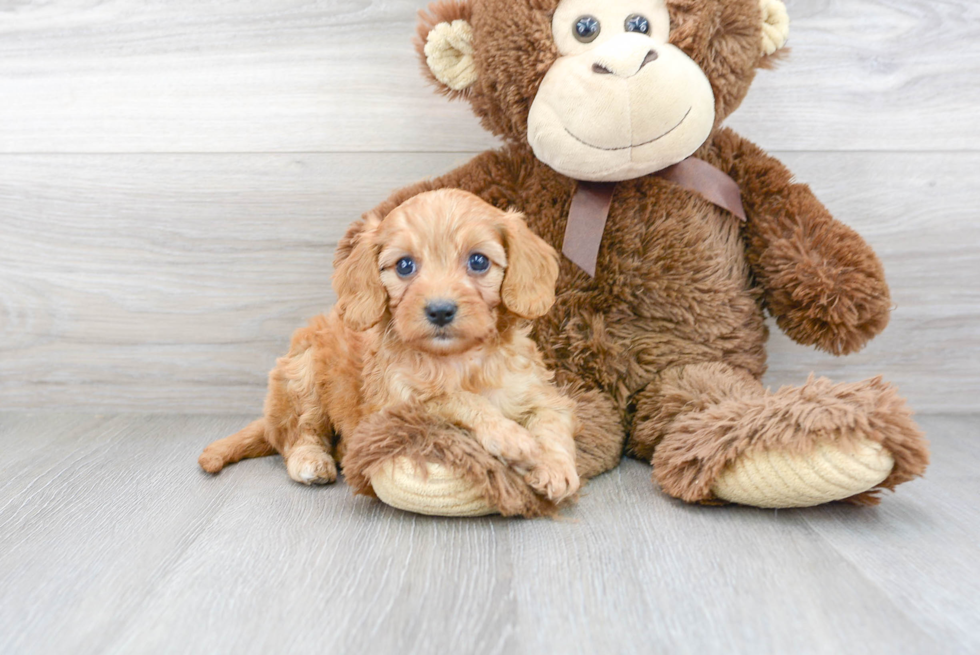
x,y
819,278
836,301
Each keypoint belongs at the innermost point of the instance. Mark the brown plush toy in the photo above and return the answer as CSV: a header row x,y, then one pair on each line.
x,y
679,236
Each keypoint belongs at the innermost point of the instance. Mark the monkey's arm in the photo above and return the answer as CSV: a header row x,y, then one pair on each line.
x,y
820,280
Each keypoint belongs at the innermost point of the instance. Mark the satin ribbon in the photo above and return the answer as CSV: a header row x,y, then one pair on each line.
x,y
589,211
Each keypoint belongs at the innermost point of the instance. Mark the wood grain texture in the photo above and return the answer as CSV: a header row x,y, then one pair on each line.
x,y
172,282
302,76
114,542
939,589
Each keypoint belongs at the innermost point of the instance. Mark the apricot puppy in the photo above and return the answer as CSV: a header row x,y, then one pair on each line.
x,y
433,310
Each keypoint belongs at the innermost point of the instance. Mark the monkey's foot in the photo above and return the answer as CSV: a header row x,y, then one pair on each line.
x,y
779,479
436,491
419,463
798,447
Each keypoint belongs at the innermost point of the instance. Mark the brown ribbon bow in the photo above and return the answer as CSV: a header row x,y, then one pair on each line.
x,y
590,206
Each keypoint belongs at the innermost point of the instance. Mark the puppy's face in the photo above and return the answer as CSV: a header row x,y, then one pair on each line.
x,y
442,269
445,264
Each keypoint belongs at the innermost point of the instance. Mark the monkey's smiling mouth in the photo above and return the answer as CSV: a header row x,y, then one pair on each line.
x,y
634,145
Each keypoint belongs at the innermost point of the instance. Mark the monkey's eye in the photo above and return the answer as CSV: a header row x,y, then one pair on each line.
x,y
478,263
405,266
637,23
586,29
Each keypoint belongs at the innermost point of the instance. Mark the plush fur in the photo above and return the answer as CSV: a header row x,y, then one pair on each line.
x,y
379,367
668,339
702,417
422,437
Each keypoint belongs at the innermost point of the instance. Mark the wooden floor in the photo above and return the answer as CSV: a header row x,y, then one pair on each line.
x,y
112,541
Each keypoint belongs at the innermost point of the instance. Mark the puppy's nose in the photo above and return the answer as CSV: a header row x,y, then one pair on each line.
x,y
440,312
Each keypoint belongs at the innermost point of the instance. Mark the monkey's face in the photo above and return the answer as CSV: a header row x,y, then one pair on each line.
x,y
620,101
602,90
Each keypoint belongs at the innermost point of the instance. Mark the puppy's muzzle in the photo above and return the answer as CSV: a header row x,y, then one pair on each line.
x,y
440,312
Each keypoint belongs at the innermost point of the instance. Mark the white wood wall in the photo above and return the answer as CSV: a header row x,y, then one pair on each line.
x,y
174,176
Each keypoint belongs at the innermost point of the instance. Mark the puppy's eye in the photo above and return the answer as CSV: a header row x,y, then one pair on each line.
x,y
405,266
478,263
637,23
586,29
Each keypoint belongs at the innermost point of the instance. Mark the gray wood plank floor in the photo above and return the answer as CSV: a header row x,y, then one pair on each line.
x,y
112,541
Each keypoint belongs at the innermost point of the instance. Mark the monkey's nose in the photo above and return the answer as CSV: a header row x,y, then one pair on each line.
x,y
651,56
440,312
624,67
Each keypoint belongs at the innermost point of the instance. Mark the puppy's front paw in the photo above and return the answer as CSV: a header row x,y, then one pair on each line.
x,y
311,465
555,478
515,446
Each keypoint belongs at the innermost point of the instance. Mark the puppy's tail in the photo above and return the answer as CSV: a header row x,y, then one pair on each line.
x,y
247,442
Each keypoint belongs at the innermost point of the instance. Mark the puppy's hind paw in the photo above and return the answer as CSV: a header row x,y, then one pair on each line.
x,y
556,480
211,461
311,465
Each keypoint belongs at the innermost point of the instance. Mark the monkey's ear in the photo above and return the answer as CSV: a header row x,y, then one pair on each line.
x,y
445,45
775,26
361,298
528,289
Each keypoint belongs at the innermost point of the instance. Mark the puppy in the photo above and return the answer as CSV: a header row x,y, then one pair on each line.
x,y
433,310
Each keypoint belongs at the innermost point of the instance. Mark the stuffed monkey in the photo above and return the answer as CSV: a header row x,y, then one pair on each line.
x,y
679,237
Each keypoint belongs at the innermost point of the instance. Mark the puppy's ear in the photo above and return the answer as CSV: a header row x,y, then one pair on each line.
x,y
528,289
361,298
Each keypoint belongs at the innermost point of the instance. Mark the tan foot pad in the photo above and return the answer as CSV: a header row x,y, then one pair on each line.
x,y
443,493
775,479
